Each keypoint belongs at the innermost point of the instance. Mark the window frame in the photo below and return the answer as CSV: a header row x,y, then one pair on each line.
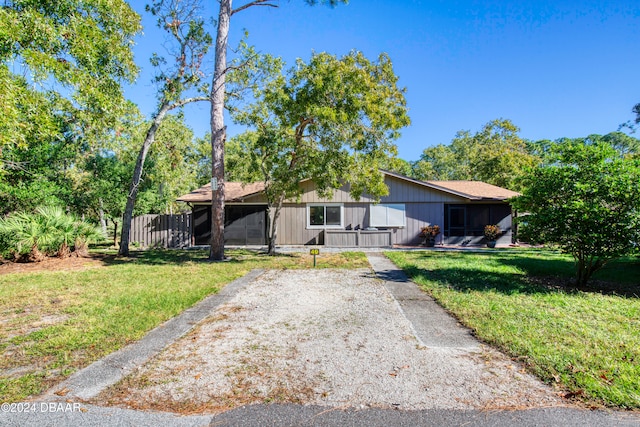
x,y
324,205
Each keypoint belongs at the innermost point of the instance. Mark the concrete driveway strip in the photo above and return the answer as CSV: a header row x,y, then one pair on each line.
x,y
432,324
90,381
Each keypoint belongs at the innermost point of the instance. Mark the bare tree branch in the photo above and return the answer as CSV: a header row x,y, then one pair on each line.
x,y
253,3
186,101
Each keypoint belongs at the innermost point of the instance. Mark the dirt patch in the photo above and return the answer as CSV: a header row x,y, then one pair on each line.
x,y
333,338
55,264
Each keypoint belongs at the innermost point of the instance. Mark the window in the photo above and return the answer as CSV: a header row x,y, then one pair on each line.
x,y
387,215
324,216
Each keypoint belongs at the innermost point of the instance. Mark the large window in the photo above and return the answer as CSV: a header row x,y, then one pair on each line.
x,y
389,215
324,216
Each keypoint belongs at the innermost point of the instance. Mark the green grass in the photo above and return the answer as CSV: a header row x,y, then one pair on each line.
x,y
585,341
53,323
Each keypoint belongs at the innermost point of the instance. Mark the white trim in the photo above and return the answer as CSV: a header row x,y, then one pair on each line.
x,y
387,210
322,227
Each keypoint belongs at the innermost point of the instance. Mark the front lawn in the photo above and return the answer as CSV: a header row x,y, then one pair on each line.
x,y
53,323
585,341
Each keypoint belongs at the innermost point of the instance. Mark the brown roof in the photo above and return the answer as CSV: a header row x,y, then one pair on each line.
x,y
474,189
233,191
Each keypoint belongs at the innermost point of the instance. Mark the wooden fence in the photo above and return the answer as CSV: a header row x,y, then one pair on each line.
x,y
166,231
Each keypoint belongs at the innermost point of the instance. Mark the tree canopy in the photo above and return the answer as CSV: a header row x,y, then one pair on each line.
x,y
68,59
495,154
587,201
332,120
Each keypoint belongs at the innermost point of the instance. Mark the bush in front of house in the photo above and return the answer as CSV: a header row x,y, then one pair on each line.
x,y
49,231
429,234
492,232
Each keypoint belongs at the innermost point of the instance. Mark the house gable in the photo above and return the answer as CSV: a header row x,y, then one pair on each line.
x,y
401,190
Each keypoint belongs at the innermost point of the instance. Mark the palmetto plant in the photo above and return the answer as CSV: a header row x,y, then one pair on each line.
x,y
21,235
85,233
46,232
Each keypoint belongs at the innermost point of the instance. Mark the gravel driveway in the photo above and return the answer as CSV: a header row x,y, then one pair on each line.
x,y
335,338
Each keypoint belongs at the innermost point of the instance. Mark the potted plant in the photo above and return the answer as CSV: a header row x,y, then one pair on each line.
x,y
491,233
429,234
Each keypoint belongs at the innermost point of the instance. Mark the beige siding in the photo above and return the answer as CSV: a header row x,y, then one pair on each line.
x,y
311,196
292,225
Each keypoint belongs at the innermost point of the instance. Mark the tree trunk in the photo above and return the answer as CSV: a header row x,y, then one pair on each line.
x,y
137,177
273,225
218,132
103,221
115,234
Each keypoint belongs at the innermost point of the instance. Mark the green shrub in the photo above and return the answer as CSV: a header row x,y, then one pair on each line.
x,y
48,231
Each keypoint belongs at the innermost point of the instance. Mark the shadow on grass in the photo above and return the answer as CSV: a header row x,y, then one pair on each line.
x,y
465,280
542,272
155,257
179,257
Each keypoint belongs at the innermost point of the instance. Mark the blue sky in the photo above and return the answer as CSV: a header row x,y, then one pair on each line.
x,y
554,68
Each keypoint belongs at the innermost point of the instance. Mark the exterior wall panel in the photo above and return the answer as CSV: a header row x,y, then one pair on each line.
x,y
400,191
293,223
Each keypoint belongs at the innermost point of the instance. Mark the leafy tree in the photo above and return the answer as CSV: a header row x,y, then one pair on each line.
x,y
624,144
170,172
587,202
77,51
40,172
217,99
105,185
495,154
199,156
498,154
397,165
179,18
238,159
330,120
439,163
